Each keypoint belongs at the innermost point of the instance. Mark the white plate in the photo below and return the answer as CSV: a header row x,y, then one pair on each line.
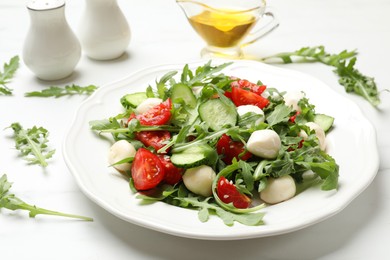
x,y
352,143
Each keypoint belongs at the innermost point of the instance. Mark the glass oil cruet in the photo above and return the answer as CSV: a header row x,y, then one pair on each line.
x,y
51,50
104,32
227,26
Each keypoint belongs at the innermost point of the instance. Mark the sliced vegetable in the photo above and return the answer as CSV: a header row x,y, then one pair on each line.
x,y
133,100
244,97
173,174
147,170
184,93
155,139
217,114
228,193
230,149
247,85
324,121
157,115
195,156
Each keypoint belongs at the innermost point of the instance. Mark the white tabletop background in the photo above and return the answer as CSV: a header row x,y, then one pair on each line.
x,y
161,35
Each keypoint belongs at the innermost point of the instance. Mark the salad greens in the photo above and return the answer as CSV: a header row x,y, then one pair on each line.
x,y
195,138
32,143
7,74
344,62
68,90
11,202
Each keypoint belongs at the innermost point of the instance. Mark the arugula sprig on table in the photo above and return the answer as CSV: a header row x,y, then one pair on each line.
x,y
344,62
68,90
11,202
7,74
32,143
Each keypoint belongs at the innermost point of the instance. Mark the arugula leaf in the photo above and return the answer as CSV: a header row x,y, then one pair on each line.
x,y
355,82
11,202
280,114
32,143
312,54
162,89
344,62
203,73
7,74
228,217
55,91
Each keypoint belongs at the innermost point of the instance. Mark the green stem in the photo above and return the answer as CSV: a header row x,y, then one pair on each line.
x,y
35,149
182,147
36,211
259,171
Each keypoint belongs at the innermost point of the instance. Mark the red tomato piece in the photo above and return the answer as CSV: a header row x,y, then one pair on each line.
x,y
231,149
147,170
155,139
157,115
247,85
173,174
242,97
228,193
292,118
228,94
132,116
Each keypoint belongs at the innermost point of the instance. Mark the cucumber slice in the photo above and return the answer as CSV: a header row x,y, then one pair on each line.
x,y
217,114
324,121
133,100
195,156
183,92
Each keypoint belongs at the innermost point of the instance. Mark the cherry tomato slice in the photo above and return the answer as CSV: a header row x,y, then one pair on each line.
x,y
231,149
173,174
147,170
155,139
227,192
242,97
247,85
292,118
157,115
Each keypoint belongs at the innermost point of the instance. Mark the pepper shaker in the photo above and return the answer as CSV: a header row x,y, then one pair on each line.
x,y
104,32
51,50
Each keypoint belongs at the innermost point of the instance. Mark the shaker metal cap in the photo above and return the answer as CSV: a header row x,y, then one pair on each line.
x,y
40,5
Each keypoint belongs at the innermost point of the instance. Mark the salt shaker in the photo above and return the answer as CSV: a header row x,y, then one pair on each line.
x,y
104,32
51,49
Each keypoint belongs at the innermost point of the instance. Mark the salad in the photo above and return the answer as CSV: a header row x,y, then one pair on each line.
x,y
225,146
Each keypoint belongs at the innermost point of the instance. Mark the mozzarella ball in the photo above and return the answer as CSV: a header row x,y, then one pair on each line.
x,y
292,98
121,150
197,90
199,180
147,104
319,133
278,189
242,110
309,175
264,143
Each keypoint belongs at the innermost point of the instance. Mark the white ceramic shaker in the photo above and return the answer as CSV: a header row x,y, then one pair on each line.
x,y
51,49
104,32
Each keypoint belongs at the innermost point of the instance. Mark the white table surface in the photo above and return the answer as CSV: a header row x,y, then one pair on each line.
x,y
160,35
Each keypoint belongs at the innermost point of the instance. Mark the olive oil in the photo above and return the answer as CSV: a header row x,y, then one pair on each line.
x,y
224,29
